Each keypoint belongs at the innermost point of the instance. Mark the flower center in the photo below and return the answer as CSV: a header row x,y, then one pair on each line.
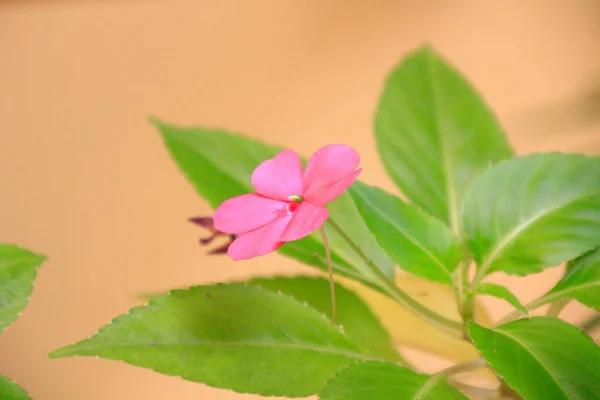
x,y
296,198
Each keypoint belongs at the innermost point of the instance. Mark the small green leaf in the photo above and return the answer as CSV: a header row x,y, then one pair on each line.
x,y
357,320
237,337
491,289
11,391
533,212
219,165
435,134
416,242
383,381
580,282
542,358
17,271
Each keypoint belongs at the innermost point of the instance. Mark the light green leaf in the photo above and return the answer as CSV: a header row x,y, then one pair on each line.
x,y
492,289
580,282
385,381
237,337
435,134
542,358
17,271
533,212
11,391
219,165
416,242
358,321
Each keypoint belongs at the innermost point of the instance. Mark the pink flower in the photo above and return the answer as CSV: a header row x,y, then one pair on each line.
x,y
289,203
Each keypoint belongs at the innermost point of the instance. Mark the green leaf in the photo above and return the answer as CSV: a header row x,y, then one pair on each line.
x,y
237,337
384,381
219,165
492,289
358,321
580,282
11,391
17,271
435,134
542,358
533,212
416,242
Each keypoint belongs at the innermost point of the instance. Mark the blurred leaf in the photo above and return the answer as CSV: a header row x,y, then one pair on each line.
x,y
555,359
17,271
435,134
237,337
11,391
533,212
219,165
383,381
416,242
492,289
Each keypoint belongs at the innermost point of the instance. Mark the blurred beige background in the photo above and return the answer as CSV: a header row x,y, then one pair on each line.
x,y
85,179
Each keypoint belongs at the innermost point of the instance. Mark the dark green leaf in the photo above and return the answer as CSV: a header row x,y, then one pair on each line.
x,y
416,242
384,381
435,134
11,391
532,212
17,271
542,358
238,337
357,320
491,289
219,165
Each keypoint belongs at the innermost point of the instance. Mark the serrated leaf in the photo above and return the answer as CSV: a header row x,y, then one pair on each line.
x,y
580,282
9,390
384,381
415,241
17,271
358,321
219,165
542,358
237,337
533,212
435,134
492,289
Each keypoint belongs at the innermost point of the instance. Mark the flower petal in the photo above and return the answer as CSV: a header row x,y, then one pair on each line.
x,y
279,177
307,219
327,165
260,241
246,213
329,192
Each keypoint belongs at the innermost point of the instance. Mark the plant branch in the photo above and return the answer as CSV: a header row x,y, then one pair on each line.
x,y
448,325
330,269
555,308
591,323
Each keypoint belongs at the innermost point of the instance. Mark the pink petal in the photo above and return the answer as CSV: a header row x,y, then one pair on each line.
x,y
328,165
260,241
246,213
329,192
279,177
307,219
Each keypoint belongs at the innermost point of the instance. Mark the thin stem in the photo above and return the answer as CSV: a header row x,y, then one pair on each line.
x,y
555,308
448,325
529,307
453,370
330,268
590,324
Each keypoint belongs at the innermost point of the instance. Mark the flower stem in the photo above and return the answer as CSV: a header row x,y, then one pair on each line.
x,y
452,327
330,268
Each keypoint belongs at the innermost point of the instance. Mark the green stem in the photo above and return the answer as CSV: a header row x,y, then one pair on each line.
x,y
555,308
590,324
448,325
330,269
529,307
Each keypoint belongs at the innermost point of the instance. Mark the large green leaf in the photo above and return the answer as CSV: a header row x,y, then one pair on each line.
x,y
416,242
357,320
237,336
11,391
435,134
384,381
219,165
580,282
17,271
542,358
534,211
